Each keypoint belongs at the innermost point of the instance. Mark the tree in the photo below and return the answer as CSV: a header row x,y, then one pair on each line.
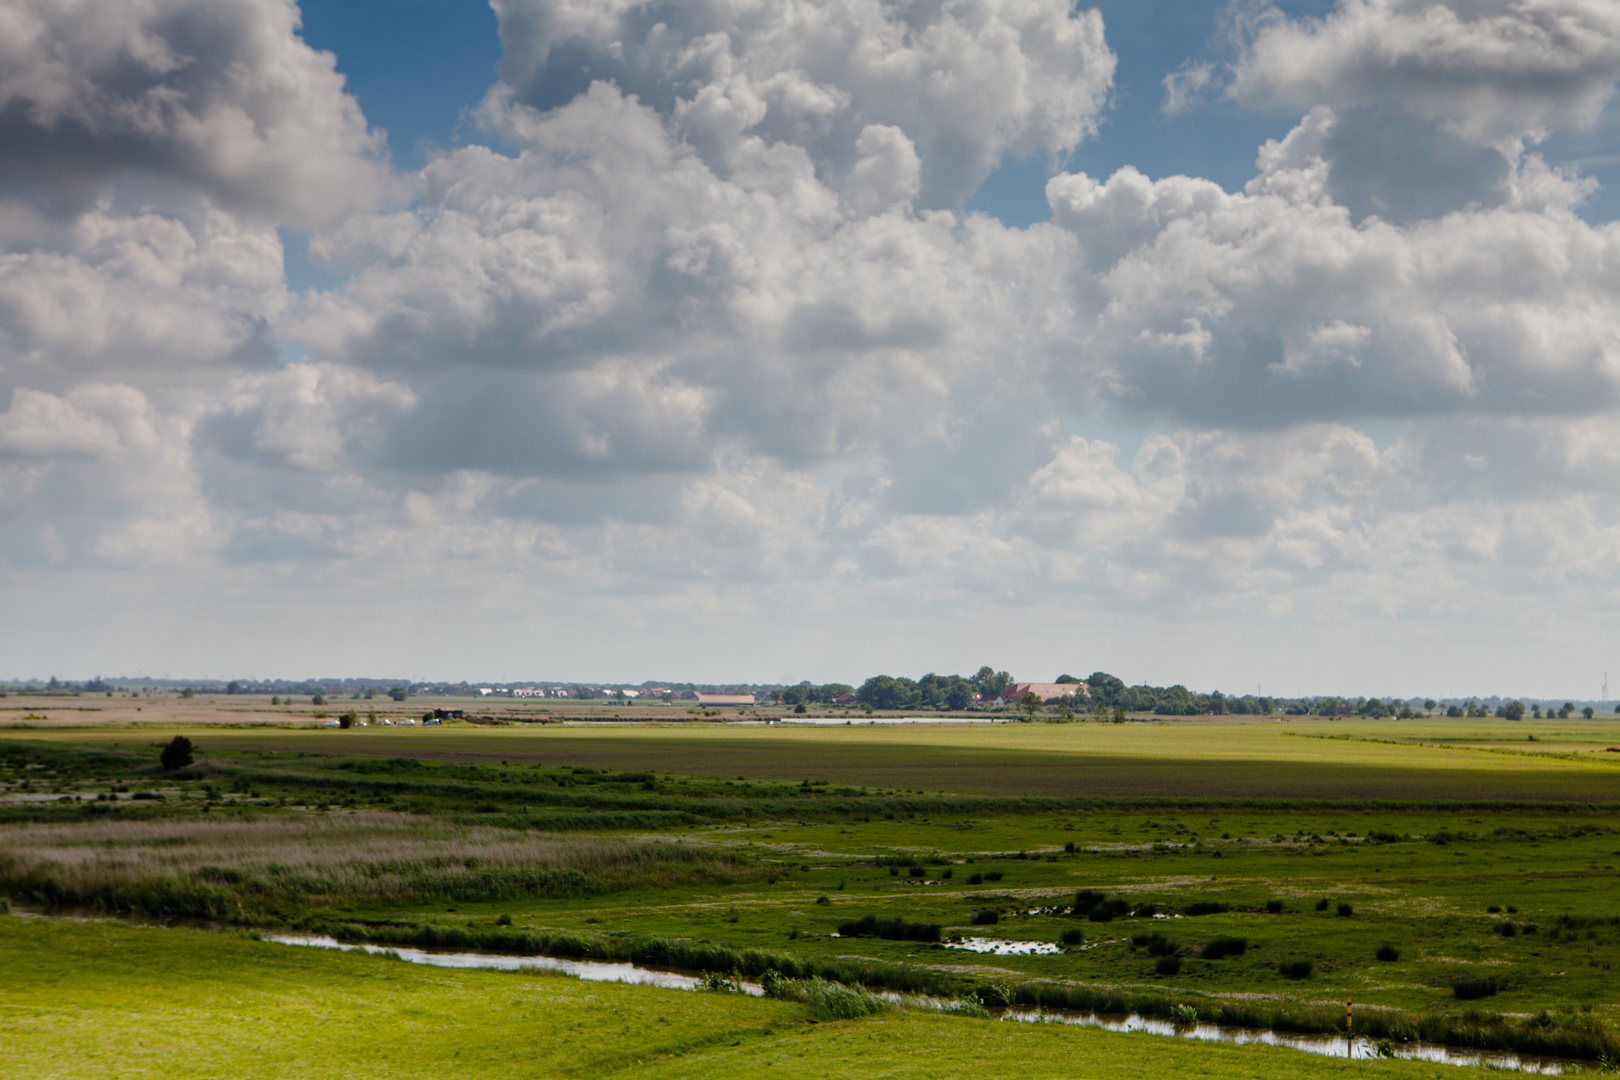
x,y
177,754
234,687
1513,710
398,693
347,719
1105,687
1030,703
959,695
317,699
991,683
1429,704
1587,712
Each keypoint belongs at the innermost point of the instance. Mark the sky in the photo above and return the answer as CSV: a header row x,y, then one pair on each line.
x,y
1256,347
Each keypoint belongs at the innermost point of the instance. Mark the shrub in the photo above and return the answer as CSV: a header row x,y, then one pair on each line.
x,y
986,917
1473,987
1494,909
1109,910
1322,904
1072,938
1156,944
827,1000
975,879
1346,910
1145,911
1507,929
1087,899
1068,848
1388,953
945,873
895,929
1222,947
992,875
823,901
177,754
1204,907
916,871
1167,965
1274,907
1295,969
894,871
504,920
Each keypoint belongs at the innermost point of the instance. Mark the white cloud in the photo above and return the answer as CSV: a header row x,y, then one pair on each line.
x,y
217,95
709,339
967,81
1492,71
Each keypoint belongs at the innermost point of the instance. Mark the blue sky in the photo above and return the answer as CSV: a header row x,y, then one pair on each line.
x,y
711,371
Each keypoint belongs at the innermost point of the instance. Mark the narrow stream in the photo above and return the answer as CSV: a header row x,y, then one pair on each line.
x,y
589,970
1326,1045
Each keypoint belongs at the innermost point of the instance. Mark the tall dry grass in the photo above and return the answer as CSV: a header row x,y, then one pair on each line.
x,y
223,868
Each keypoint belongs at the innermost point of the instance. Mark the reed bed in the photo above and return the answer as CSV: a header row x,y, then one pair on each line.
x,y
237,869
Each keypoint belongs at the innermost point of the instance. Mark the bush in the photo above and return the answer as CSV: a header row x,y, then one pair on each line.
x,y
986,917
975,879
1322,904
1087,899
1388,953
177,754
1295,969
1156,944
916,871
1222,947
992,875
1507,929
1346,910
895,929
1204,907
1167,965
1109,910
1072,938
1473,987
823,901
1494,909
827,1000
1274,907
504,920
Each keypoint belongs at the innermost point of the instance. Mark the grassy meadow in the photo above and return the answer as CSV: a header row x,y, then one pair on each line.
x,y
1455,879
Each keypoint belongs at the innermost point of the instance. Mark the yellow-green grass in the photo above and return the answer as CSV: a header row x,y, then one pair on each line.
x,y
104,1002
1299,759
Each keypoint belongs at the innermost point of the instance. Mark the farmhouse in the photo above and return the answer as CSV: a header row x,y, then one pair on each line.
x,y
1046,691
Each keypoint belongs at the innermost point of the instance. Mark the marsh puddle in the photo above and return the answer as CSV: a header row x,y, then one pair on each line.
x,y
1001,947
589,970
1325,1045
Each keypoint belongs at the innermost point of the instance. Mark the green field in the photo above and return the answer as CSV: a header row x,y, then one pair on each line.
x,y
1480,862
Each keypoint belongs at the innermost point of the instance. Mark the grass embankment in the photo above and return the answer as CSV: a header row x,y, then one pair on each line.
x,y
182,1004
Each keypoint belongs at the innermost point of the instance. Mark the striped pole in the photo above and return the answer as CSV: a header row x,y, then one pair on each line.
x,y
1349,1034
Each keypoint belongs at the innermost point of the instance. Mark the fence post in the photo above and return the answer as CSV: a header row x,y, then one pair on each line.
x,y
1349,1033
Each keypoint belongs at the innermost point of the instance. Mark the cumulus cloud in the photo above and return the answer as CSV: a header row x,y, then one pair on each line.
x,y
1492,70
708,336
220,96
966,81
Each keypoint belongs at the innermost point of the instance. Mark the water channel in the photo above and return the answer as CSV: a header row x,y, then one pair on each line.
x,y
1326,1045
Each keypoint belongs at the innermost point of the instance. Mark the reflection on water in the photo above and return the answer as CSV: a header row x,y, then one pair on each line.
x,y
1327,1045
590,970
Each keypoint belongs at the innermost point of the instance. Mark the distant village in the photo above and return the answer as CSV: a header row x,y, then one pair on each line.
x,y
1099,692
